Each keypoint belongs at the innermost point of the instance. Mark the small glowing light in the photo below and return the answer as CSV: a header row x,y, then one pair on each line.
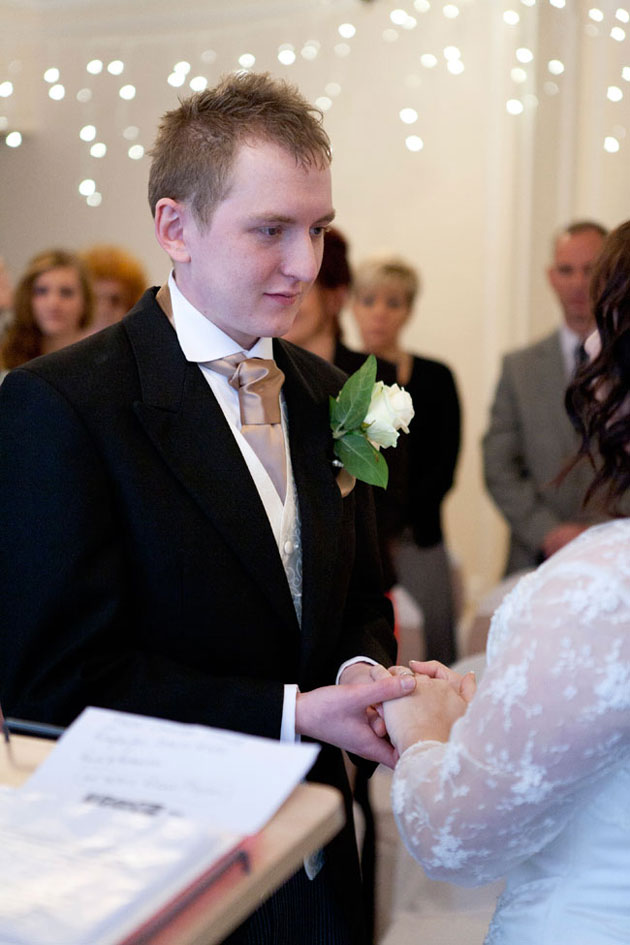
x,y
528,3
511,17
625,73
208,55
513,106
408,115
422,6
135,152
116,67
131,132
56,92
247,60
51,75
523,54
6,89
560,4
87,187
452,52
450,11
198,83
398,17
333,88
596,14
98,150
127,92
94,200
323,102
13,139
182,66
414,143
530,100
518,75
591,30
619,131
618,34
555,66
455,66
310,50
87,133
342,49
94,66
347,30
622,15
428,60
551,88
390,35
84,95
614,93
286,54
410,23
176,79
611,144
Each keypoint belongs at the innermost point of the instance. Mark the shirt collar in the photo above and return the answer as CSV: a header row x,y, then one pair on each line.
x,y
200,339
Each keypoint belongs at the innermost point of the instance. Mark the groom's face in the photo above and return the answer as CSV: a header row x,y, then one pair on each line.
x,y
250,268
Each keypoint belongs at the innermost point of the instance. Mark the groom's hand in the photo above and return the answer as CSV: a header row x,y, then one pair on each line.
x,y
339,714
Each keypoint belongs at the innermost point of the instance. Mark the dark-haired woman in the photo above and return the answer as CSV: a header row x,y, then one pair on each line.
x,y
530,777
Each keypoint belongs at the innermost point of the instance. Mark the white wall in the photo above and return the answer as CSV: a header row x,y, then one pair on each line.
x,y
474,209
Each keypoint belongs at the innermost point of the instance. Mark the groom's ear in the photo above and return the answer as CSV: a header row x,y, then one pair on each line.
x,y
172,221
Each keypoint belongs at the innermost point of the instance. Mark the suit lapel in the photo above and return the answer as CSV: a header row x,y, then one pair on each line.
x,y
319,498
185,423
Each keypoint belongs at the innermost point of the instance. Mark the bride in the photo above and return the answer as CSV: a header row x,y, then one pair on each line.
x,y
529,777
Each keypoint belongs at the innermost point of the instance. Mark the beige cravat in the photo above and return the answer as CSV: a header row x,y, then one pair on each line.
x,y
258,382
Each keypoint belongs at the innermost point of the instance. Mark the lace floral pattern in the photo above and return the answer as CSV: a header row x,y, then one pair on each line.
x,y
547,732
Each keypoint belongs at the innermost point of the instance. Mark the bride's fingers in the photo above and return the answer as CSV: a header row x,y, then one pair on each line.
x,y
430,668
468,686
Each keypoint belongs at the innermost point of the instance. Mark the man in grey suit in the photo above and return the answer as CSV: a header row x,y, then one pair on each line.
x,y
530,437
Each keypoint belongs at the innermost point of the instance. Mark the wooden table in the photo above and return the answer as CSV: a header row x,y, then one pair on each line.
x,y
310,817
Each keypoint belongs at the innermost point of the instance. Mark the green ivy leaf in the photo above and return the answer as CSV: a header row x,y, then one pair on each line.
x,y
361,459
354,398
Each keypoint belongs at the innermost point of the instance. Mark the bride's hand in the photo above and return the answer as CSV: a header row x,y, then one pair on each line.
x,y
465,686
426,714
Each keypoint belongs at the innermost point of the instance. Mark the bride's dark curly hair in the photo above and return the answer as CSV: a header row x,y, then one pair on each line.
x,y
598,400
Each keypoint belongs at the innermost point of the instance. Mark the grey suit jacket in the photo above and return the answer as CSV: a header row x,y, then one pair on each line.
x,y
529,440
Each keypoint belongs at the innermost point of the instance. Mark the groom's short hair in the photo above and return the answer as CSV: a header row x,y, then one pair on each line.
x,y
196,144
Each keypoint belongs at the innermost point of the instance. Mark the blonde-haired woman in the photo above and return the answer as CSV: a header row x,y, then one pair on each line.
x,y
52,307
384,292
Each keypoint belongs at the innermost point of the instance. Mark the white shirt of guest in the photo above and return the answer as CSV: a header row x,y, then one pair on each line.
x,y
569,343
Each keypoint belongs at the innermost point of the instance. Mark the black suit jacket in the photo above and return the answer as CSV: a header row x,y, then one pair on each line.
x,y
138,566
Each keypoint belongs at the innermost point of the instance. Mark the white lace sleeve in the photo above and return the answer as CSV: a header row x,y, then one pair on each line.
x,y
550,718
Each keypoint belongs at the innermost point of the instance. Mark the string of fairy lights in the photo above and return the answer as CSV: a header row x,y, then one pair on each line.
x,y
529,78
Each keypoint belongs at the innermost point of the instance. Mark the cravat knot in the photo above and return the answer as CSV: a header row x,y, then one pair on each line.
x,y
258,382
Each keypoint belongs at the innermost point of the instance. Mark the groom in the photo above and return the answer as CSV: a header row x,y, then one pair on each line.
x,y
155,558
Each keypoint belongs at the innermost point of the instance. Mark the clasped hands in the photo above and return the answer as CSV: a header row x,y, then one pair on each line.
x,y
377,713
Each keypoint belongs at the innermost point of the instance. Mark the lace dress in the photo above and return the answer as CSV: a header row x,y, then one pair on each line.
x,y
534,783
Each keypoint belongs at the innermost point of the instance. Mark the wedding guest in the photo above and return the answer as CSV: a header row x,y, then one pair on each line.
x,y
52,306
118,279
384,292
529,776
158,554
529,436
6,297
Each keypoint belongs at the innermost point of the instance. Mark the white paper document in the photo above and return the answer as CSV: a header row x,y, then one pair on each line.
x,y
126,813
74,874
208,774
